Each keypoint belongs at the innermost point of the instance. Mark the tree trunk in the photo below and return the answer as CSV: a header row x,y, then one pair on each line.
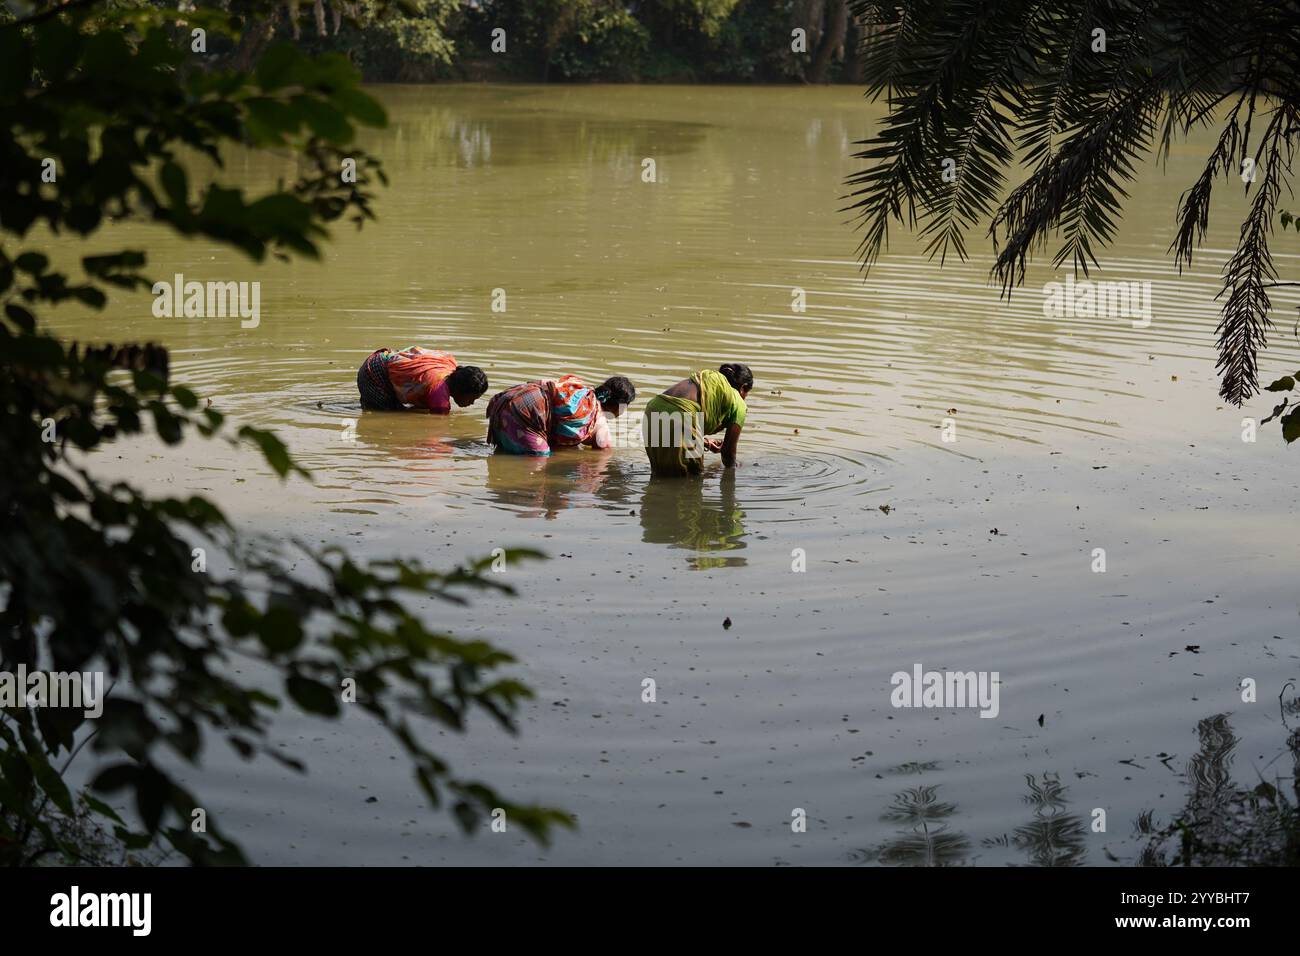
x,y
808,16
255,39
837,24
853,51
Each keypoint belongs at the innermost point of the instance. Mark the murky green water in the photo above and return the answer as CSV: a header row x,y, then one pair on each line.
x,y
1071,434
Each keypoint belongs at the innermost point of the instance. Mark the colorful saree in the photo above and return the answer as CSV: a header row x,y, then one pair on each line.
x,y
576,416
533,418
376,390
388,380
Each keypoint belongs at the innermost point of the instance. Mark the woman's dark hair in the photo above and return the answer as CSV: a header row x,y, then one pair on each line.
x,y
616,391
738,375
467,380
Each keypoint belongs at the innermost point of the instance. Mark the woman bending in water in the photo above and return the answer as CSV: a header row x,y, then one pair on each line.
x,y
425,379
676,422
533,418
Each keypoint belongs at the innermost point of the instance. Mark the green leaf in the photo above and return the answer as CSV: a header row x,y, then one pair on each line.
x,y
239,619
147,382
282,212
330,71
15,64
32,262
174,184
151,790
312,696
50,781
20,317
1283,384
279,66
57,48
114,778
102,808
270,120
273,450
280,630
102,265
184,397
131,840
126,726
361,105
90,296
1291,426
167,424
466,814
325,121
107,57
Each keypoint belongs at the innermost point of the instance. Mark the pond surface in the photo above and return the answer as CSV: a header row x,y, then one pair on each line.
x,y
1118,689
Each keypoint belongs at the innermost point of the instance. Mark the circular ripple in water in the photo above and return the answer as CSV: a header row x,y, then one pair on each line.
x,y
808,483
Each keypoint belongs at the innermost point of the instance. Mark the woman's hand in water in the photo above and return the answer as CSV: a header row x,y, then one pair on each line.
x,y
713,444
729,445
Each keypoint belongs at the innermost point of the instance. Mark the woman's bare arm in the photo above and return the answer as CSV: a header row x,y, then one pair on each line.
x,y
729,446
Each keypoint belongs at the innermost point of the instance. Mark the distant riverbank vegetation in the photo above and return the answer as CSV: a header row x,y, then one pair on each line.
x,y
672,41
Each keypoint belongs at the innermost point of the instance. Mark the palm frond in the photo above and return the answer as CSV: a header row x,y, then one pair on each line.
x,y
981,125
907,153
1243,328
993,85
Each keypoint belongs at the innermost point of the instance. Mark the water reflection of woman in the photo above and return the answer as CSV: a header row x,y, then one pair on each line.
x,y
676,513
546,486
403,436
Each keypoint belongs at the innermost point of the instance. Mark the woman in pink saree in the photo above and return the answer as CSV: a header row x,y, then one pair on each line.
x,y
536,417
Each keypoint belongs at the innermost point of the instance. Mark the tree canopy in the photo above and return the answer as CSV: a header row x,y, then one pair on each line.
x,y
572,40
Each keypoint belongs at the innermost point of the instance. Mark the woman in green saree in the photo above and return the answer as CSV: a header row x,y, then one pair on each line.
x,y
677,422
